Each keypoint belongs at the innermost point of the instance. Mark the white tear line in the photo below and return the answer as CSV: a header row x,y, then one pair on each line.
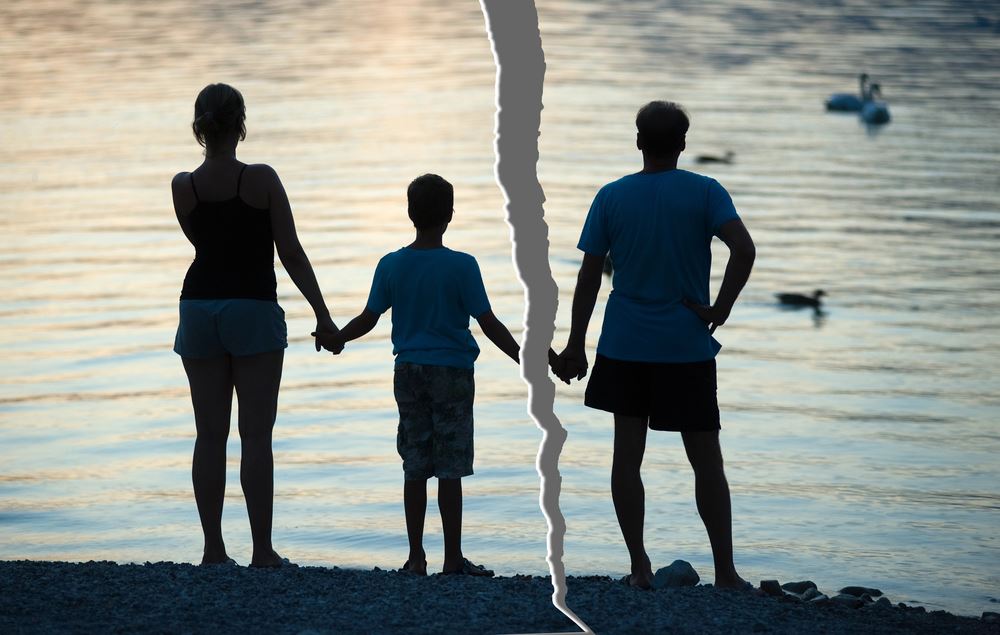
x,y
542,388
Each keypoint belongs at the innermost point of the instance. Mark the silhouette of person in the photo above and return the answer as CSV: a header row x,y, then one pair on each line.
x,y
232,332
655,364
432,291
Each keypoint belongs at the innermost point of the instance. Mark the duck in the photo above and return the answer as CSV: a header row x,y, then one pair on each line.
x,y
711,158
797,299
849,102
875,110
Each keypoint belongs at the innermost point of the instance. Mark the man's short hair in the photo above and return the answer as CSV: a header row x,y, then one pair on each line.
x,y
430,201
662,126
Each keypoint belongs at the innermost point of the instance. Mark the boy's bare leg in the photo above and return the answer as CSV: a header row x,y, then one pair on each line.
x,y
711,492
450,505
415,507
628,493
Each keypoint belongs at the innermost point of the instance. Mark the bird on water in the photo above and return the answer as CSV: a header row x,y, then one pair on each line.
x,y
711,158
797,299
849,102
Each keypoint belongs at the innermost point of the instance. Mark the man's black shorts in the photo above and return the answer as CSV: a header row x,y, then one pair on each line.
x,y
677,397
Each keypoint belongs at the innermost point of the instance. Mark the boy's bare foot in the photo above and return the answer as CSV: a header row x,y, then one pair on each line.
x,y
414,567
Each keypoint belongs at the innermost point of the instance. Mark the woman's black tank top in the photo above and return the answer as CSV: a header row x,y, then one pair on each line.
x,y
234,250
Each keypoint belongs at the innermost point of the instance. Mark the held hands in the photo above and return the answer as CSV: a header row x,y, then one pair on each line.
x,y
713,316
328,336
570,363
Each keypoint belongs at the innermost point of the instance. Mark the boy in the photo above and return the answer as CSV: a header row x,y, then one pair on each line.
x,y
432,291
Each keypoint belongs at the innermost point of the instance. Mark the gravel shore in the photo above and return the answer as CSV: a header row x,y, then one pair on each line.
x,y
98,597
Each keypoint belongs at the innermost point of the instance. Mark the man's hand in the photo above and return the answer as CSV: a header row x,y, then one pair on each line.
x,y
713,316
329,340
572,362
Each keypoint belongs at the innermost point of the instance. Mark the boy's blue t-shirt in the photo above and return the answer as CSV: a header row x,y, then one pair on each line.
x,y
432,293
658,228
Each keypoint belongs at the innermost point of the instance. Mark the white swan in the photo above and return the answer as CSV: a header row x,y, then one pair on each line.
x,y
849,102
875,110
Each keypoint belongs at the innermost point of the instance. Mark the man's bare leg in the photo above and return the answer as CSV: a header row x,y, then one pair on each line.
x,y
628,494
711,492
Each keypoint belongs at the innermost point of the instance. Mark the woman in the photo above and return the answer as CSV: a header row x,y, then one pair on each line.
x,y
232,332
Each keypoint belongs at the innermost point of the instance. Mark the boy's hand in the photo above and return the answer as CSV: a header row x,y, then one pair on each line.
x,y
331,341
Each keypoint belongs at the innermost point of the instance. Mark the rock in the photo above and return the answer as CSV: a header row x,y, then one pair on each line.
x,y
858,591
883,601
799,587
848,600
990,617
867,599
810,593
819,599
679,573
771,587
790,597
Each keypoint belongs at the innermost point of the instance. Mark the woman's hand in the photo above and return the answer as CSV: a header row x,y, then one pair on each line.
x,y
328,335
332,342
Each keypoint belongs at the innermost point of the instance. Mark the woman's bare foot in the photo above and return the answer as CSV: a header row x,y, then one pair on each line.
x,y
215,556
415,567
268,561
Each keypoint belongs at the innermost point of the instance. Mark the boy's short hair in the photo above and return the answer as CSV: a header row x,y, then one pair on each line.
x,y
662,126
430,201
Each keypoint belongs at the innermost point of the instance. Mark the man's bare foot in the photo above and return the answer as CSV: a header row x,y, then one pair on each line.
x,y
269,561
644,582
736,583
642,576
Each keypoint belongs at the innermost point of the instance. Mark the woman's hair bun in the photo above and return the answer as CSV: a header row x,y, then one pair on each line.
x,y
219,111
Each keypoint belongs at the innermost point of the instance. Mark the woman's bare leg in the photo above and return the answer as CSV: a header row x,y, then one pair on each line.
x,y
211,382
257,379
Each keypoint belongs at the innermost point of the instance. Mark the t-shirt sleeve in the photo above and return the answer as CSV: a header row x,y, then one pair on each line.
x,y
594,238
379,299
474,300
721,209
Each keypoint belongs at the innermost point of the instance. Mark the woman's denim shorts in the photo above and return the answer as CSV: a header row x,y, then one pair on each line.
x,y
236,326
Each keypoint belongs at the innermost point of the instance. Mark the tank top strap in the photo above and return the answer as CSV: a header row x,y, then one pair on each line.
x,y
193,189
239,179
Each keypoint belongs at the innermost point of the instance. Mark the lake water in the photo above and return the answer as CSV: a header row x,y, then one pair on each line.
x,y
861,445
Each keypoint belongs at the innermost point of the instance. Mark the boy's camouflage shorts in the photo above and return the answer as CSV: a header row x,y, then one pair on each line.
x,y
435,420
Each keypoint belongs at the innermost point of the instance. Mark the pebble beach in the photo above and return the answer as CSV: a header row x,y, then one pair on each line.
x,y
165,597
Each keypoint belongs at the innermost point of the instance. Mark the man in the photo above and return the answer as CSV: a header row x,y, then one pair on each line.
x,y
655,365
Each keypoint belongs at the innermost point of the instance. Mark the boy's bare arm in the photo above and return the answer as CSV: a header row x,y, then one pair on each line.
x,y
498,334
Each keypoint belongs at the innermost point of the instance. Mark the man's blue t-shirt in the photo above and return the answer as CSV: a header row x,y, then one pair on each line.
x,y
658,228
432,293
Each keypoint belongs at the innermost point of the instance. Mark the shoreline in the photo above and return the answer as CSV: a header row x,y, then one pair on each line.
x,y
39,596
